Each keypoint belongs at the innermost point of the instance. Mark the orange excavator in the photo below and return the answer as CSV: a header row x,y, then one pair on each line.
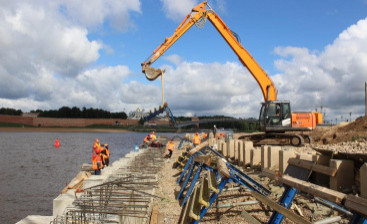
x,y
276,120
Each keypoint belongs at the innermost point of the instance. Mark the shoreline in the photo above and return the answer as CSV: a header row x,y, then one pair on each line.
x,y
87,130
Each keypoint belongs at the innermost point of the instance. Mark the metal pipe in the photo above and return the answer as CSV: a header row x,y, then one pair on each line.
x,y
329,220
229,205
333,206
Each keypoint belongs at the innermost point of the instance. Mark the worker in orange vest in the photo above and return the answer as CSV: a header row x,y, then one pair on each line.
x,y
105,155
196,141
170,147
205,135
96,144
96,163
153,137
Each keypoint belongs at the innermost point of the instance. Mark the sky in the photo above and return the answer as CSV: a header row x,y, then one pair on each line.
x,y
89,54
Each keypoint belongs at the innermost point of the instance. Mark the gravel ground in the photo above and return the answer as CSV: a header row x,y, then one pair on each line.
x,y
171,209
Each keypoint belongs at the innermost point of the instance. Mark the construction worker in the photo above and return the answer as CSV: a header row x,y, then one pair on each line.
x,y
170,147
214,130
196,141
96,144
205,135
96,163
153,137
147,139
105,155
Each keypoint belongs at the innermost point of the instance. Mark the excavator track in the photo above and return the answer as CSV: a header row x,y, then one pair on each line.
x,y
274,138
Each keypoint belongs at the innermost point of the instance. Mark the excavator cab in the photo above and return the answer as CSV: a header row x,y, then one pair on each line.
x,y
275,116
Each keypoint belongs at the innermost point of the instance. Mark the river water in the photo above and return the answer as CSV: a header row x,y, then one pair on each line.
x,y
33,172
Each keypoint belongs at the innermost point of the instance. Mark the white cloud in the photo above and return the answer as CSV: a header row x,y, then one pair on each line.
x,y
177,9
174,58
333,78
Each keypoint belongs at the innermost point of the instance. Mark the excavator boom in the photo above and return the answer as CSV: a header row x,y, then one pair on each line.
x,y
199,14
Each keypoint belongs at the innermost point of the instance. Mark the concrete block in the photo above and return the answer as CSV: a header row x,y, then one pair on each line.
x,y
245,154
264,157
93,181
363,178
319,178
344,178
308,156
284,156
224,149
211,135
230,148
238,145
36,219
273,157
255,157
220,146
62,201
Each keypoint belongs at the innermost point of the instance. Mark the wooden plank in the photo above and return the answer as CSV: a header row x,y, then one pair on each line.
x,y
277,207
313,189
312,166
357,204
249,218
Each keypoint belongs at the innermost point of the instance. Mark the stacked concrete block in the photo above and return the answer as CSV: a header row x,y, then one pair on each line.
x,y
273,157
238,146
363,178
264,157
255,157
230,148
344,178
284,156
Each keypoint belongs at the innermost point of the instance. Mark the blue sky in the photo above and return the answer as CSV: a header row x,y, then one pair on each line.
x,y
75,53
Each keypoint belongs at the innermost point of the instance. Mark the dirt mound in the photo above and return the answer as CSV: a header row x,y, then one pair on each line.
x,y
355,131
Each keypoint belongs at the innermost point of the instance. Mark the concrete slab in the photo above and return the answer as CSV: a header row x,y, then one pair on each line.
x,y
363,178
36,219
224,149
255,157
344,178
284,156
273,157
94,180
230,148
62,202
238,145
264,157
245,154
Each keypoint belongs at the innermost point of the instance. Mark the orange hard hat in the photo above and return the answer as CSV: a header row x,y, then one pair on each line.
x,y
196,133
97,140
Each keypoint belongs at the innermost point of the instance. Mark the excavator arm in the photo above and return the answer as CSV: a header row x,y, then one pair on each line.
x,y
199,14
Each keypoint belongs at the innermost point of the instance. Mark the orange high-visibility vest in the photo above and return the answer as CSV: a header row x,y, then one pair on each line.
x,y
197,140
170,146
94,163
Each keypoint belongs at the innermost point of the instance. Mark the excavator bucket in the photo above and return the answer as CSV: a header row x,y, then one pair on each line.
x,y
152,73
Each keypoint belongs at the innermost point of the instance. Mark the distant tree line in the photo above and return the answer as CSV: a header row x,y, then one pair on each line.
x,y
75,112
10,111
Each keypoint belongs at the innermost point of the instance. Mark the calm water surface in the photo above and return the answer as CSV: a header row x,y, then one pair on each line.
x,y
33,172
